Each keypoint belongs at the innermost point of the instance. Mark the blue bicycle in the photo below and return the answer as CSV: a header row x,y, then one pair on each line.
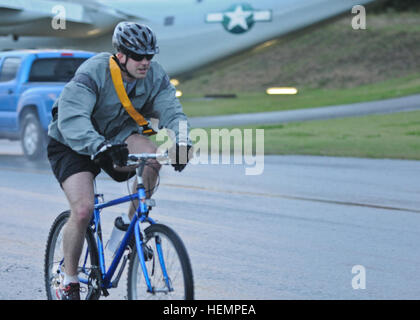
x,y
162,270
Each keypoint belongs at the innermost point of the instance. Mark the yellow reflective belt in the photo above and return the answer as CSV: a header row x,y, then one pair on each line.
x,y
125,100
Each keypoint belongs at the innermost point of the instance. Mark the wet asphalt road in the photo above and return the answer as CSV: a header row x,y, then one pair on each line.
x,y
294,232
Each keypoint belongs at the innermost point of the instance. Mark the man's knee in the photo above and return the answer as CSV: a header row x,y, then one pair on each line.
x,y
81,213
80,194
140,144
154,164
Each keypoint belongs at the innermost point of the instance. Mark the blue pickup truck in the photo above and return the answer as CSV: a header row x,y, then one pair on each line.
x,y
30,81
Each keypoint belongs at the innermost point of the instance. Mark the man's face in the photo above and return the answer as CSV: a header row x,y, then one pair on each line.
x,y
136,68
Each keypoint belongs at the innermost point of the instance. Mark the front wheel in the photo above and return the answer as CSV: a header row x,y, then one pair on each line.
x,y
174,259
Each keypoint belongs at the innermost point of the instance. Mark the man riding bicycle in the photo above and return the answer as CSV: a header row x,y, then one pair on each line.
x,y
92,129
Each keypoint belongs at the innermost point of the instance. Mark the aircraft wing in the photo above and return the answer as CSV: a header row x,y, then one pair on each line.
x,y
61,19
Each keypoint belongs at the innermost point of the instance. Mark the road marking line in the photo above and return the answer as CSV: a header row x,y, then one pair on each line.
x,y
245,193
273,195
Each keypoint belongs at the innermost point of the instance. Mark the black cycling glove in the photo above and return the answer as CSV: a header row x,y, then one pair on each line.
x,y
117,152
180,155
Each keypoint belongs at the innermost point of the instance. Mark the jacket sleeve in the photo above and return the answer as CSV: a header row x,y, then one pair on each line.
x,y
167,108
75,107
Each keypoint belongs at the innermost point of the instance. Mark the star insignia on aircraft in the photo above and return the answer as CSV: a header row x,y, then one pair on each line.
x,y
239,18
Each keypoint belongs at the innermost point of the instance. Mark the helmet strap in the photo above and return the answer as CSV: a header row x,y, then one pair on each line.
x,y
123,66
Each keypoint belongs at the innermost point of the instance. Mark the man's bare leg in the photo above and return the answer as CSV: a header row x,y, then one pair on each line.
x,y
141,144
80,194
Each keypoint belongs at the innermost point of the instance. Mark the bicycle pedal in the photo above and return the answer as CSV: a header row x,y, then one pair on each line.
x,y
105,292
119,223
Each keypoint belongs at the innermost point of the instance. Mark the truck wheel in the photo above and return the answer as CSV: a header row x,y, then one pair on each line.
x,y
32,137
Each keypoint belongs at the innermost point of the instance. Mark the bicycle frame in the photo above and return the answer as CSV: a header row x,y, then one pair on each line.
x,y
134,227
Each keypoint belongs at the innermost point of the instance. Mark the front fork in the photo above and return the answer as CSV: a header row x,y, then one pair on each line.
x,y
142,213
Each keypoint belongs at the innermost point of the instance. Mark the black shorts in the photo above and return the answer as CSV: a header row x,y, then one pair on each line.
x,y
65,162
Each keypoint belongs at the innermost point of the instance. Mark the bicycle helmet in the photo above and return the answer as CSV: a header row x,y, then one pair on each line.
x,y
134,39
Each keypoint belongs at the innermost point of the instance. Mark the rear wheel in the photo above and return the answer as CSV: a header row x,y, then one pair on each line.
x,y
176,263
54,262
32,137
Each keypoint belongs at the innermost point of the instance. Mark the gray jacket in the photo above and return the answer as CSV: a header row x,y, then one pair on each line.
x,y
89,110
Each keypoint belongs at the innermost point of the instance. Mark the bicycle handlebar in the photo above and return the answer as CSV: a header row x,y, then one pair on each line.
x,y
136,158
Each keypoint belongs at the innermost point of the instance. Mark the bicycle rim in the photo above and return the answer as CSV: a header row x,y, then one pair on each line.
x,y
176,262
55,266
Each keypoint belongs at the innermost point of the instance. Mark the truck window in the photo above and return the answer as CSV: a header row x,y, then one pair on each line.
x,y
54,69
9,69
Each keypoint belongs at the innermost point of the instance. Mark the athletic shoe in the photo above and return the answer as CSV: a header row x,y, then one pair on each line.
x,y
69,292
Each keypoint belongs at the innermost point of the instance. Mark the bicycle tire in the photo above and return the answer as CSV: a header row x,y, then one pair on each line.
x,y
56,228
135,271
